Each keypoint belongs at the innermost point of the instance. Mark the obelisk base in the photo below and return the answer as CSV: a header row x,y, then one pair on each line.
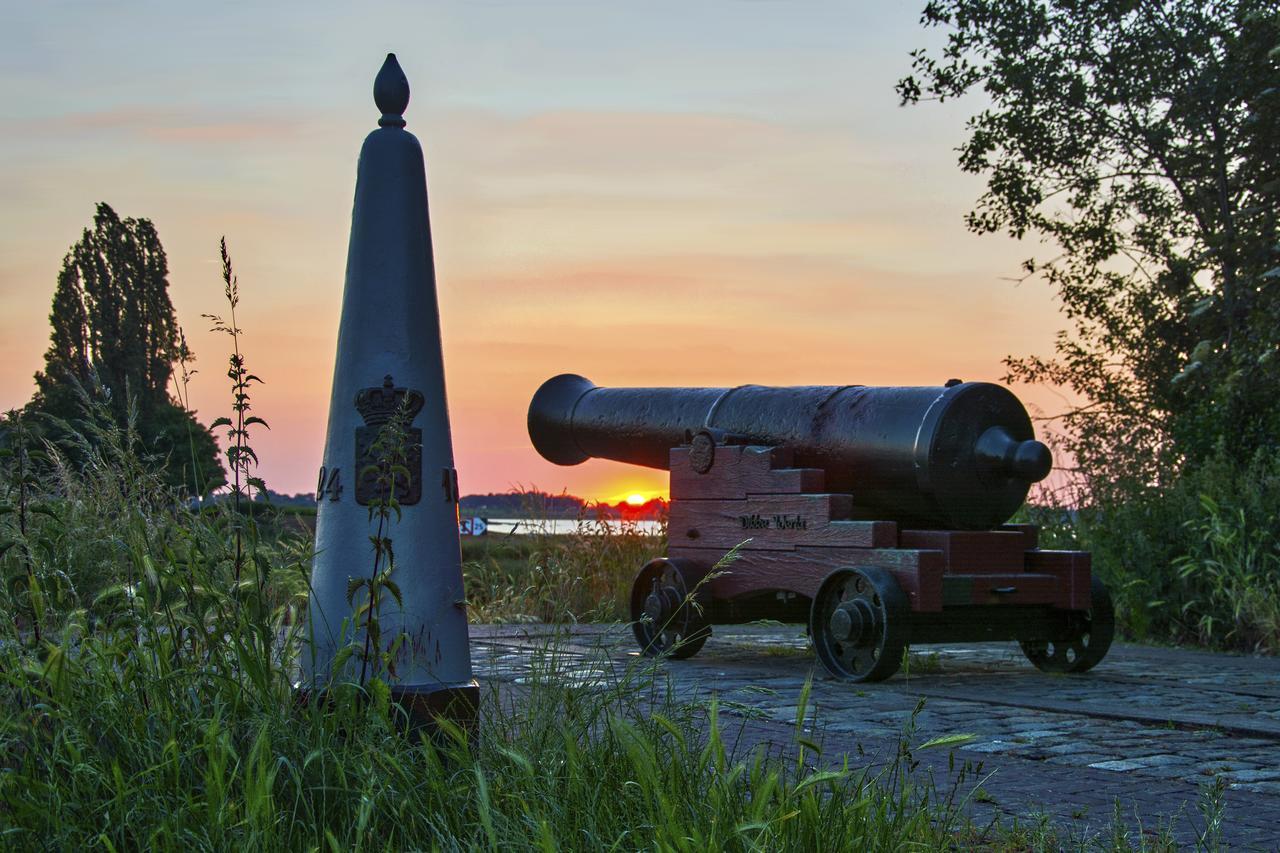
x,y
425,707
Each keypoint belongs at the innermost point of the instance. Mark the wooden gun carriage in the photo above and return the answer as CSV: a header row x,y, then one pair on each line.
x,y
876,516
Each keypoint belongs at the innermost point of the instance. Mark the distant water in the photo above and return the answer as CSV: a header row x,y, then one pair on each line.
x,y
525,526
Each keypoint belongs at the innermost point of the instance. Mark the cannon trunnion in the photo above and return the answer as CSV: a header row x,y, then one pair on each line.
x,y
874,515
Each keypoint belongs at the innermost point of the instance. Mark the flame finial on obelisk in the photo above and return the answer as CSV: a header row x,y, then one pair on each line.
x,y
390,359
391,93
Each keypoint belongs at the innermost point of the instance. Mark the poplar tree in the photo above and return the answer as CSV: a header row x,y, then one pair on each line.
x,y
113,326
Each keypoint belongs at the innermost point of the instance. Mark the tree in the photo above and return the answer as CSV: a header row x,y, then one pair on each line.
x,y
113,326
1139,140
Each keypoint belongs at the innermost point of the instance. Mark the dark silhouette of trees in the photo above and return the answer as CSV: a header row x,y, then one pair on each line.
x,y
114,329
1138,141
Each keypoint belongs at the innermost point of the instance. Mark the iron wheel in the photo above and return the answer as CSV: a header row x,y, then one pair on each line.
x,y
859,624
1084,641
666,617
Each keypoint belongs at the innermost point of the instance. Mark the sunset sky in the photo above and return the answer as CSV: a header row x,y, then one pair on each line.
x,y
656,193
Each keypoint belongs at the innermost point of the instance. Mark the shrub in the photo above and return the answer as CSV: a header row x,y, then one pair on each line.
x,y
1199,560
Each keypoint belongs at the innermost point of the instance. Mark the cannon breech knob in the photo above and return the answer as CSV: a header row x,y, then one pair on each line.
x,y
859,624
1001,456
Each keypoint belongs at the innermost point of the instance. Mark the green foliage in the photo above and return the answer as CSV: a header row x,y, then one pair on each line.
x,y
185,448
1236,572
1197,562
241,458
24,487
115,337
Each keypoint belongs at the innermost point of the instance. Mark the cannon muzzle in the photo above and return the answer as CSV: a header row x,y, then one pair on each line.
x,y
959,456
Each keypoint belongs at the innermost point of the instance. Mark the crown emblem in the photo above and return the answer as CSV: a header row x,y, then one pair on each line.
x,y
377,405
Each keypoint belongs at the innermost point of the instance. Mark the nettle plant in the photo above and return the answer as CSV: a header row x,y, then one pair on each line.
x,y
241,458
389,471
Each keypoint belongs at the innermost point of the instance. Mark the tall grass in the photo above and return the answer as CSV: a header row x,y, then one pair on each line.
x,y
1233,576
543,576
157,711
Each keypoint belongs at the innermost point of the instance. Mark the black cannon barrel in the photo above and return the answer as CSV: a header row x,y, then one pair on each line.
x,y
960,456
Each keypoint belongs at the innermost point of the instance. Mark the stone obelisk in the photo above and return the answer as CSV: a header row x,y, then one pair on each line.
x,y
390,359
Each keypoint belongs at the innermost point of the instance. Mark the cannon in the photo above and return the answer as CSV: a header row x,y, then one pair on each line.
x,y
876,516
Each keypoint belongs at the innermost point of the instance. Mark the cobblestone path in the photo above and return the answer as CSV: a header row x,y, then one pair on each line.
x,y
1148,729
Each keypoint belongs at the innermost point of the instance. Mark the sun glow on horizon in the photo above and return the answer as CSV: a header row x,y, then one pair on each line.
x,y
633,497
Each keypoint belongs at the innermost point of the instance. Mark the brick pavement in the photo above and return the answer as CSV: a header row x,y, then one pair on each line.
x,y
1149,728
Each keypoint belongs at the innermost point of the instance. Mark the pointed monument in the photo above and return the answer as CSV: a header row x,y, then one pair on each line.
x,y
389,358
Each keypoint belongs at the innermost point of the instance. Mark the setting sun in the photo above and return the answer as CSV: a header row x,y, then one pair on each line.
x,y
636,500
